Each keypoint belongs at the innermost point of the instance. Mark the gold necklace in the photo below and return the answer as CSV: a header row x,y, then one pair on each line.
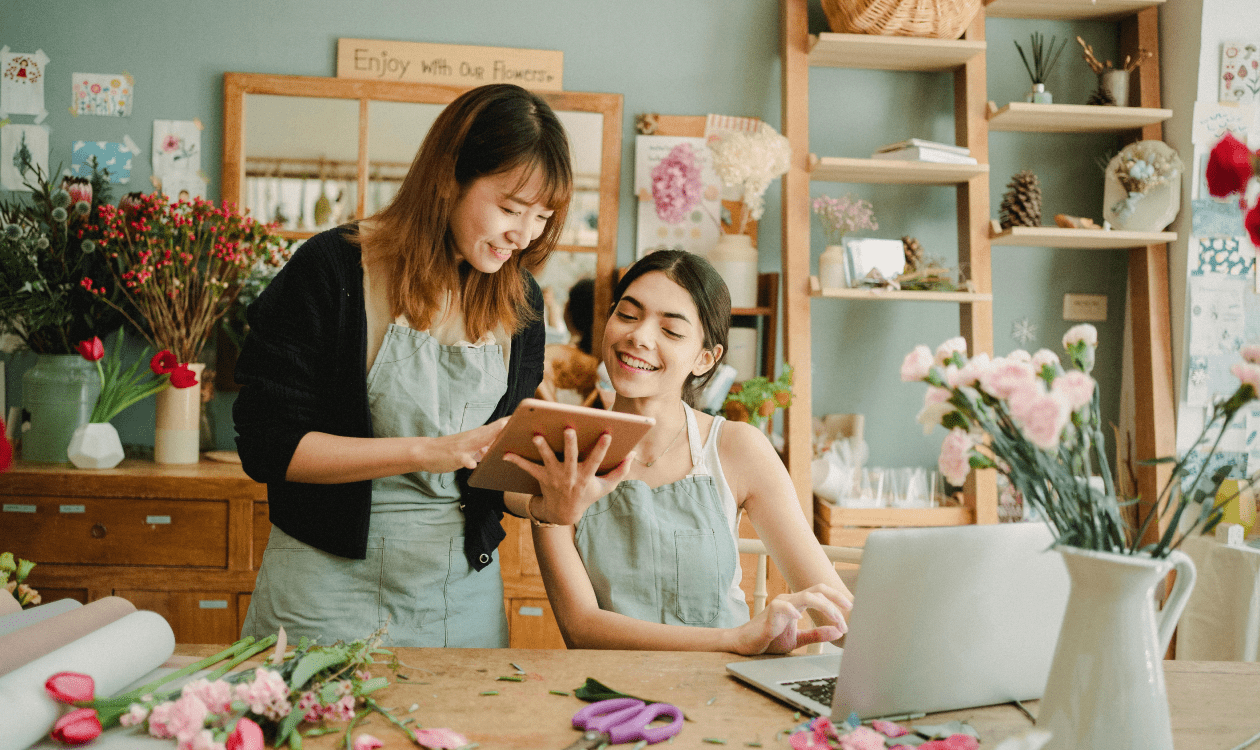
x,y
650,464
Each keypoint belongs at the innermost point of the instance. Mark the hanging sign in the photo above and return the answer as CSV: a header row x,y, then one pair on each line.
x,y
449,64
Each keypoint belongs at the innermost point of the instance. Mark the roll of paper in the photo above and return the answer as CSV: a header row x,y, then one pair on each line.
x,y
33,641
8,605
114,656
19,620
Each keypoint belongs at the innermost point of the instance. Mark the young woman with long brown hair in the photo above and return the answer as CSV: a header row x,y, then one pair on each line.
x,y
380,365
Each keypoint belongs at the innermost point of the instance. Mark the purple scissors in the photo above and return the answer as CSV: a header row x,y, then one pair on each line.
x,y
619,720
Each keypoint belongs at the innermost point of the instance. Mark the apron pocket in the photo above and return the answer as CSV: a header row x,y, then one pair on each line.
x,y
698,584
475,415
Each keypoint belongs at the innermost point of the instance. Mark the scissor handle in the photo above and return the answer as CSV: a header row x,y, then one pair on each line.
x,y
637,725
599,716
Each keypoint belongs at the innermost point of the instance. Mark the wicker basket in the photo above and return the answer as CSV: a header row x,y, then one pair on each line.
x,y
942,19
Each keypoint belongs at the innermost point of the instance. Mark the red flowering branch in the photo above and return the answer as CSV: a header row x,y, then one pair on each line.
x,y
181,264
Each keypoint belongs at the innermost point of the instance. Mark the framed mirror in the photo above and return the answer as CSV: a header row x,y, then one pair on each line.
x,y
312,153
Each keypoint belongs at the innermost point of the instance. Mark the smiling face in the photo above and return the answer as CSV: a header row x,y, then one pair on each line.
x,y
497,216
654,341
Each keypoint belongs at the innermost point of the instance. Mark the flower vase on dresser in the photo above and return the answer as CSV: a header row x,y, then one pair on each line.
x,y
1106,685
735,259
95,445
58,392
177,438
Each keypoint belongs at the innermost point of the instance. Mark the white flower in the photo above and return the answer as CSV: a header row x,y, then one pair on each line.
x,y
1082,332
751,161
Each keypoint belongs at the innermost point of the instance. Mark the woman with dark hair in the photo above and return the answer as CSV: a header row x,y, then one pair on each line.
x,y
380,365
653,562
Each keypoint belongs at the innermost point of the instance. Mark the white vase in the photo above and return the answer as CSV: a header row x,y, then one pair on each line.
x,y
177,437
735,258
1106,686
831,273
95,445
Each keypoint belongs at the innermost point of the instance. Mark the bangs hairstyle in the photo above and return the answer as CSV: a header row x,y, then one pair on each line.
x,y
488,130
709,293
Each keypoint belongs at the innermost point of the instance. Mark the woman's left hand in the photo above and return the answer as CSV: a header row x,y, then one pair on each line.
x,y
570,486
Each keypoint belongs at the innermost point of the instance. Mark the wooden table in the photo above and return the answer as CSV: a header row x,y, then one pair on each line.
x,y
1212,703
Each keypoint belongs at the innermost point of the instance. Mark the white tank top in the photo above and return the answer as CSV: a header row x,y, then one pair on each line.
x,y
706,462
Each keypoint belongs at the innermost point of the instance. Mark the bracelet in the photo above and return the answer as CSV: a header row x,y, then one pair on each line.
x,y
529,511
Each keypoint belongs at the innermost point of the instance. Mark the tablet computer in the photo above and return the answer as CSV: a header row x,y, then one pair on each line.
x,y
549,418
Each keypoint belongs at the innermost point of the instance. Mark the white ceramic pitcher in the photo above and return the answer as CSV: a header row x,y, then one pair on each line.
x,y
1106,687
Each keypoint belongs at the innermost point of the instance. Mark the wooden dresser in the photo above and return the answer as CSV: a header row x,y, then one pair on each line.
x,y
186,542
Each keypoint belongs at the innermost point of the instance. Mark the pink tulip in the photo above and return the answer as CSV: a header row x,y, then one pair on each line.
x,y
246,736
71,687
77,727
440,739
367,742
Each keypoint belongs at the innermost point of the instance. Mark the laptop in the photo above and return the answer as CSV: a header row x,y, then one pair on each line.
x,y
944,618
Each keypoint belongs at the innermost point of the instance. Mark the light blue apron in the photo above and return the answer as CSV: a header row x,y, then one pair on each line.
x,y
663,555
416,577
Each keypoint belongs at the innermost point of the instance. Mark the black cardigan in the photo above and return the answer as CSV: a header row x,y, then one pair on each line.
x,y
303,369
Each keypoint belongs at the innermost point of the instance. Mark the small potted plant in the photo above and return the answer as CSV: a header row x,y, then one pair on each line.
x,y
756,399
1044,59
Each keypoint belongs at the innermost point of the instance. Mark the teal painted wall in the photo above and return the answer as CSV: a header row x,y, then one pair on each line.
x,y
673,57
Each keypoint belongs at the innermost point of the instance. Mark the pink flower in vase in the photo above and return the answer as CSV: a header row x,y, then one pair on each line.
x,y
916,365
955,462
676,184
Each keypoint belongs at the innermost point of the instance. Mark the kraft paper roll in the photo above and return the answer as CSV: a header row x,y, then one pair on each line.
x,y
8,605
115,656
28,644
19,620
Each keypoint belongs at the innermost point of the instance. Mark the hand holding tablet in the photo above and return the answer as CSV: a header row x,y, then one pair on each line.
x,y
550,419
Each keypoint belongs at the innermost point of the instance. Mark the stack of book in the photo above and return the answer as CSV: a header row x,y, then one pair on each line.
x,y
917,149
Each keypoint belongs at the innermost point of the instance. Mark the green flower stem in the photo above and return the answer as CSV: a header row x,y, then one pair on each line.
x,y
159,386
406,730
245,655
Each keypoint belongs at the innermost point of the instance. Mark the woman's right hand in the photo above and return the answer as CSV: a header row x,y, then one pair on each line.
x,y
462,450
774,630
570,486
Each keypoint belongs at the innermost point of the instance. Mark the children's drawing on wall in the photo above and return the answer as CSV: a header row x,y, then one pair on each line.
x,y
22,83
1240,72
1216,315
22,147
116,157
177,158
1227,255
105,94
679,194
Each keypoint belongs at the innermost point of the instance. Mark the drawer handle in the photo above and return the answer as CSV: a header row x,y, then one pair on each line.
x,y
212,603
98,531
531,611
157,519
73,509
17,508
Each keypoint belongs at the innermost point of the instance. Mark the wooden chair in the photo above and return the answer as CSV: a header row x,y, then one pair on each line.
x,y
849,555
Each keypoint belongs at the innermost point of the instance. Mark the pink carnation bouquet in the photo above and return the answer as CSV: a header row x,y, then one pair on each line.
x,y
1039,425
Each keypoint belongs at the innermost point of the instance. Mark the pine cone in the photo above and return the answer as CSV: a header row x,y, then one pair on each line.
x,y
1101,96
914,253
1021,206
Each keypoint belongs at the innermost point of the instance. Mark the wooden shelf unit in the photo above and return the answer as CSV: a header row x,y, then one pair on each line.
x,y
1087,239
873,52
897,295
1023,117
965,59
1068,10
849,527
888,171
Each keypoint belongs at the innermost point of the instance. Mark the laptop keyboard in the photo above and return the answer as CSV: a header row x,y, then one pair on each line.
x,y
819,690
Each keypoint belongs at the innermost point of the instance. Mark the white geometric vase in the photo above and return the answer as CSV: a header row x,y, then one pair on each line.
x,y
95,445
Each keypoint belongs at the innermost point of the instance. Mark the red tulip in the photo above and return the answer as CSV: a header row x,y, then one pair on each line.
x,y
163,362
77,727
71,687
1252,222
6,449
182,377
1229,167
246,736
91,350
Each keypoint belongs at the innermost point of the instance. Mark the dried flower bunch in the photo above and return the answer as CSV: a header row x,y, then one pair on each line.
x,y
1040,427
181,265
309,691
839,216
19,569
751,161
1099,67
755,399
1146,164
122,389
48,243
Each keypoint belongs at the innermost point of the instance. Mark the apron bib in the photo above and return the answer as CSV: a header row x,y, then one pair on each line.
x,y
415,578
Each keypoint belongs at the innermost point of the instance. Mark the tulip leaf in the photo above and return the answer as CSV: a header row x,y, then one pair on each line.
x,y
311,665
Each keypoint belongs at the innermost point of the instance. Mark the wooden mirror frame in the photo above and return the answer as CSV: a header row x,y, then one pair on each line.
x,y
237,85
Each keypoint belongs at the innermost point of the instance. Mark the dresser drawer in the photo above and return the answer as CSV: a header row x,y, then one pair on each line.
x,y
75,530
